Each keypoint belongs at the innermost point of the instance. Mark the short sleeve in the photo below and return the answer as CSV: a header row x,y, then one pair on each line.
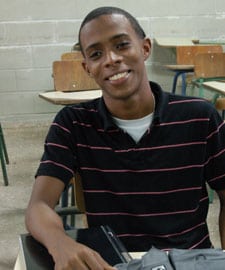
x,y
59,157
215,153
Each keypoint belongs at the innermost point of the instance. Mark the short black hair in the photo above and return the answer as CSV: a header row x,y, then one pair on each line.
x,y
109,11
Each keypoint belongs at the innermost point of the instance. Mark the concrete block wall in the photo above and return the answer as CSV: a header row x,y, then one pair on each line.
x,y
34,33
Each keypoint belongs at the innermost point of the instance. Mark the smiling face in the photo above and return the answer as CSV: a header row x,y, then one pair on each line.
x,y
114,55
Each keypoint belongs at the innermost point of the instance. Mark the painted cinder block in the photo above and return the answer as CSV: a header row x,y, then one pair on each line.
x,y
8,81
28,33
44,55
15,57
34,80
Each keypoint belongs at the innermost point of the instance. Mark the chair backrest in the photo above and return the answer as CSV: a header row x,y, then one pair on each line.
x,y
186,54
74,55
210,65
70,76
79,195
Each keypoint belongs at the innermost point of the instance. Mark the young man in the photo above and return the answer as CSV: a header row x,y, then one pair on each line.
x,y
144,155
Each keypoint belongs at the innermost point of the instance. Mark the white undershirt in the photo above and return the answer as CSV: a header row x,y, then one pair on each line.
x,y
136,127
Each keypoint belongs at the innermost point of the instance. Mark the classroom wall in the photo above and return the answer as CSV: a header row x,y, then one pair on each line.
x,y
34,33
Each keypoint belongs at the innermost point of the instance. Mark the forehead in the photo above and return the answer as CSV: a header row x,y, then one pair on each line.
x,y
104,27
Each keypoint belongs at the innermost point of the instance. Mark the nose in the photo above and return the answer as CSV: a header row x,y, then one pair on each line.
x,y
112,58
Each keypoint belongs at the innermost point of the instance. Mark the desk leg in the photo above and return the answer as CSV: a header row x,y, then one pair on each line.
x,y
177,74
183,84
183,76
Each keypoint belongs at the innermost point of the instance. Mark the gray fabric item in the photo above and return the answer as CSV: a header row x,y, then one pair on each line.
x,y
154,259
198,259
178,259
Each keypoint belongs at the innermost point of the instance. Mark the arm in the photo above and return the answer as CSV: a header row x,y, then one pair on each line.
x,y
46,226
221,195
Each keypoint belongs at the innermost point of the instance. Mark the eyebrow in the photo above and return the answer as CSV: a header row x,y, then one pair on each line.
x,y
111,39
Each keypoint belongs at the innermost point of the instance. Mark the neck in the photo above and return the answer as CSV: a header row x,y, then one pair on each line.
x,y
133,108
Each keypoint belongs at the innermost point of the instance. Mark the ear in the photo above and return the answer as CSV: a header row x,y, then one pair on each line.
x,y
146,48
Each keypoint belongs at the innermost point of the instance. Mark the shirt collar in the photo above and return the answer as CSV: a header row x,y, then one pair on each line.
x,y
161,100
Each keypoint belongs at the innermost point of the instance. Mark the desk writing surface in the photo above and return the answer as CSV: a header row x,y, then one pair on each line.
x,y
173,41
179,41
66,98
216,86
215,42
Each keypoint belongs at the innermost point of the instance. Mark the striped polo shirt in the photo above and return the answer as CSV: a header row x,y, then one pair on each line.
x,y
152,192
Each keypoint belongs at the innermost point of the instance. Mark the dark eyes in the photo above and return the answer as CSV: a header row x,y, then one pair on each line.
x,y
95,54
122,45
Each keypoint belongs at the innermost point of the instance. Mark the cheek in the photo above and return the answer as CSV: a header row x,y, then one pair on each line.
x,y
96,73
135,56
136,62
94,69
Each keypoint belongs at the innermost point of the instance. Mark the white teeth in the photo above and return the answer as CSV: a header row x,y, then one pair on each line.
x,y
118,76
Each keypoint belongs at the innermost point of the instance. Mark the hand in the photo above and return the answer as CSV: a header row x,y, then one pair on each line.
x,y
70,255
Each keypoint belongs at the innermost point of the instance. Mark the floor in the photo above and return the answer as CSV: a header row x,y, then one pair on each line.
x,y
24,138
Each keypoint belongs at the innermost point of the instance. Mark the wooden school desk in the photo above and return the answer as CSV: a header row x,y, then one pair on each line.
x,y
215,86
67,98
185,50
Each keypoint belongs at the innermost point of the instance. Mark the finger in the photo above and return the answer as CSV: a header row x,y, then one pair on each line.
x,y
96,262
73,263
104,263
110,268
